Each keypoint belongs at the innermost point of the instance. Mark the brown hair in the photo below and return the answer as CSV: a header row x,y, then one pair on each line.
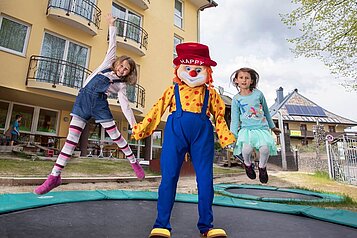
x,y
132,77
209,80
253,75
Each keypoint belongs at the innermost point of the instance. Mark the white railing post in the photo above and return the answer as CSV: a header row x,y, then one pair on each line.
x,y
329,159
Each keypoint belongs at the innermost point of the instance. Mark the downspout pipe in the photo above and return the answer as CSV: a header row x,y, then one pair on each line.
x,y
211,3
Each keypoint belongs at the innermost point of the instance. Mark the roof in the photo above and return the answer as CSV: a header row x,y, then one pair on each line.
x,y
295,99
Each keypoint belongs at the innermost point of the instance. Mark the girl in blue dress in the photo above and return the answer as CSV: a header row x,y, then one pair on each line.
x,y
251,123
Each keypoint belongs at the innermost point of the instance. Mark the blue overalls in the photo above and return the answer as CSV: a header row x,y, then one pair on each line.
x,y
92,100
193,133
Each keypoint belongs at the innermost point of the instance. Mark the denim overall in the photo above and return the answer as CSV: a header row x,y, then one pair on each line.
x,y
92,100
193,133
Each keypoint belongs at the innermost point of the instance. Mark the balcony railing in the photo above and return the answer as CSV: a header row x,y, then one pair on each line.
x,y
61,72
84,8
129,30
56,72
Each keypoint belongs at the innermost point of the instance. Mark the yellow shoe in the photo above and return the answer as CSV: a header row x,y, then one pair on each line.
x,y
215,233
160,233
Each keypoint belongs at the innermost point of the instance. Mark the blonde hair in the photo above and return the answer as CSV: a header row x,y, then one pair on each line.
x,y
132,77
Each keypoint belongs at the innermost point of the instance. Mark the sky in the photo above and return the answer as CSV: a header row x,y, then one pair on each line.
x,y
249,33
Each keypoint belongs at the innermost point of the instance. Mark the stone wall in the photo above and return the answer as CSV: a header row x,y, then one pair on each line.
x,y
309,163
291,162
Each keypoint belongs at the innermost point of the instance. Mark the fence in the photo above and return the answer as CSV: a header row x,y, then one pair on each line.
x,y
342,158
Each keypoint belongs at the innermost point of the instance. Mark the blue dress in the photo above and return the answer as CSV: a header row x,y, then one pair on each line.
x,y
251,122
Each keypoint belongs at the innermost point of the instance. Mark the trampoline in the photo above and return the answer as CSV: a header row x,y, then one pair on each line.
x,y
130,214
274,194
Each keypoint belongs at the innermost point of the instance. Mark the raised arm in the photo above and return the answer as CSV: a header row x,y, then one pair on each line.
x,y
111,52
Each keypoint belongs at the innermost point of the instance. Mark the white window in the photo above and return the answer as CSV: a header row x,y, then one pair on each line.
x,y
27,113
178,18
14,35
69,56
177,40
47,121
128,23
156,144
35,120
84,8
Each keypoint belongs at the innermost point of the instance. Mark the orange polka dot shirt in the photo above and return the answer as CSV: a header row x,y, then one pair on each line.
x,y
192,101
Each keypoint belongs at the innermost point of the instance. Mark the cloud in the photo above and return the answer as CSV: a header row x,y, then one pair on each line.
x,y
251,34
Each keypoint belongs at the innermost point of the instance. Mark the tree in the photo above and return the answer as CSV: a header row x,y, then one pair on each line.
x,y
329,33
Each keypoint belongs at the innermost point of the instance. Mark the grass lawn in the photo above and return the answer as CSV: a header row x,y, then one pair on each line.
x,y
21,167
11,166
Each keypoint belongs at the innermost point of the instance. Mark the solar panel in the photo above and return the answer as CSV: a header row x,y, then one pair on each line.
x,y
300,110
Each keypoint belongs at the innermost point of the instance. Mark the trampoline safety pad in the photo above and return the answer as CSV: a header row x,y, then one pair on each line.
x,y
129,214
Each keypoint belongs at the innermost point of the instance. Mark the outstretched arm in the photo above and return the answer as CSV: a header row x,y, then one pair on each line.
x,y
153,118
217,108
111,52
110,19
125,106
235,118
268,116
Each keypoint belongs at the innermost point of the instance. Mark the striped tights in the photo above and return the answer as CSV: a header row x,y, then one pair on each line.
x,y
75,131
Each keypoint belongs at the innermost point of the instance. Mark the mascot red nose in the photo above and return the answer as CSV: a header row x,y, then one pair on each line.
x,y
194,106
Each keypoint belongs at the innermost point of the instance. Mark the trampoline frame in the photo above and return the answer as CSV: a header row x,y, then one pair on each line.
x,y
15,202
322,197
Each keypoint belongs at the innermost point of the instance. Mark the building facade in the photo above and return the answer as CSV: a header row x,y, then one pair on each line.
x,y
49,47
304,121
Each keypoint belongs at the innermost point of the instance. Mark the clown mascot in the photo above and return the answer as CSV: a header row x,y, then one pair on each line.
x,y
188,130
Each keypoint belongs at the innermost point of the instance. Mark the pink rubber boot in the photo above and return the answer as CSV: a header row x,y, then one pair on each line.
x,y
140,174
50,183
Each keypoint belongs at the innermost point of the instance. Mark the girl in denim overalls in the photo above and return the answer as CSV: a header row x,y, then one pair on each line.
x,y
110,77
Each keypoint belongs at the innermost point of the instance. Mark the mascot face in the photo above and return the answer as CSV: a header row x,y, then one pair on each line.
x,y
192,75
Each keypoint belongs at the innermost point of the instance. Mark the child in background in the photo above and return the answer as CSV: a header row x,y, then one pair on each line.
x,y
250,123
112,76
15,131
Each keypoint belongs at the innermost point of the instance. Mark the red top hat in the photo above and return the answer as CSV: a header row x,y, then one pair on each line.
x,y
193,53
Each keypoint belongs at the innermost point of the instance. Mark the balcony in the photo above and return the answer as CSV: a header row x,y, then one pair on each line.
x,y
131,37
81,14
55,74
143,4
66,77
